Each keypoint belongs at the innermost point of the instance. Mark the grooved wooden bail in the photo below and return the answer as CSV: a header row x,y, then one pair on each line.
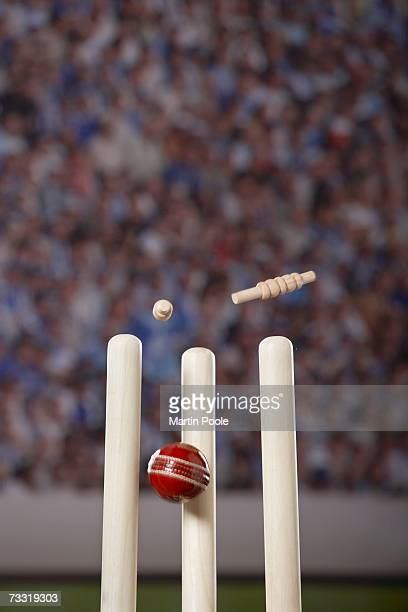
x,y
273,287
162,310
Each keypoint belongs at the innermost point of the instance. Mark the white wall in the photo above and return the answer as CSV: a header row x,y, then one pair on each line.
x,y
60,533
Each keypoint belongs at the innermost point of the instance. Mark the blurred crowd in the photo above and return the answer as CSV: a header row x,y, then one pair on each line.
x,y
187,149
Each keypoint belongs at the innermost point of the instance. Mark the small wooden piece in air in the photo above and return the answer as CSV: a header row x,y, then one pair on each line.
x,y
162,310
273,287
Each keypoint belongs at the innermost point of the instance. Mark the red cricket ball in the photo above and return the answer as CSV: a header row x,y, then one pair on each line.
x,y
178,472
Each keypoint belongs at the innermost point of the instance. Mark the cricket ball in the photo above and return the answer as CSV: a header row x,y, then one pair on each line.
x,y
178,472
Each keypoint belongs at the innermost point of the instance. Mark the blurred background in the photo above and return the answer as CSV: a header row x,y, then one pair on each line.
x,y
187,149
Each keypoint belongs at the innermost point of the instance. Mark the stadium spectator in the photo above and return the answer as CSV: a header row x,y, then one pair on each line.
x,y
188,149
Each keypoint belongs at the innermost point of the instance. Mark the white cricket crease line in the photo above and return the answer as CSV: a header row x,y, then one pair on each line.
x,y
183,461
178,477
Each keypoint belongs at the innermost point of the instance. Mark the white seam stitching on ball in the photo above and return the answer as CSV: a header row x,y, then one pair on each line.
x,y
184,461
179,477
